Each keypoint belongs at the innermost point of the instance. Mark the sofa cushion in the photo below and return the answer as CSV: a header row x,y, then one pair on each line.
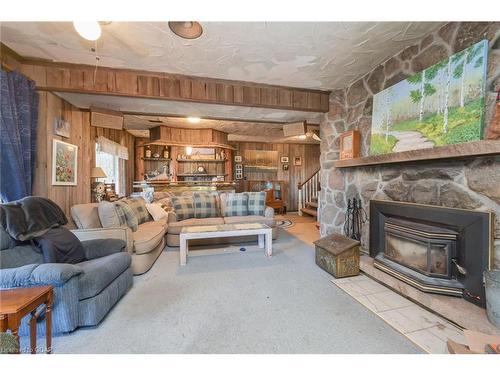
x,y
250,219
100,272
183,207
205,205
256,203
138,207
110,216
157,211
236,204
124,210
86,216
176,227
148,236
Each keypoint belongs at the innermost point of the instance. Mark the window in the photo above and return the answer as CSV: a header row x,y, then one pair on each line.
x,y
113,166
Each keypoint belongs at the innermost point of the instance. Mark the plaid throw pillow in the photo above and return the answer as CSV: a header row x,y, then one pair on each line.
x,y
123,210
256,203
138,207
183,207
205,205
236,204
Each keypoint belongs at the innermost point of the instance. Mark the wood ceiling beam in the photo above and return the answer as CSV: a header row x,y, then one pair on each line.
x,y
86,79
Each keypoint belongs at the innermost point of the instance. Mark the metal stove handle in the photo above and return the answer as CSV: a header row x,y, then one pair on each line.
x,y
460,269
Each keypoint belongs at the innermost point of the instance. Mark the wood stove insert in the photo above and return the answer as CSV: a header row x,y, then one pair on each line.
x,y
435,249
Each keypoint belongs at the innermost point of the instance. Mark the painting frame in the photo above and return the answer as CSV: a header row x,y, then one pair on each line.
x,y
64,163
62,127
441,105
284,159
202,153
297,161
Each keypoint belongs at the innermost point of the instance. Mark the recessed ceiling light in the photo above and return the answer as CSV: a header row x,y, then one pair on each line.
x,y
194,120
186,29
88,30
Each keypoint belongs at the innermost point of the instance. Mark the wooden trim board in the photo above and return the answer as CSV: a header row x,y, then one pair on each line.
x,y
79,78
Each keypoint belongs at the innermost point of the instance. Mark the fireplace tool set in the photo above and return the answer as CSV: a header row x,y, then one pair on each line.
x,y
354,219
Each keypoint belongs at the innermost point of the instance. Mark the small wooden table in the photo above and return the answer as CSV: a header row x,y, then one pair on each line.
x,y
18,302
263,232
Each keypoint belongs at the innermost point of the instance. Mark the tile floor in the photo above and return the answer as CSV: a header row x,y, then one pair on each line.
x,y
424,328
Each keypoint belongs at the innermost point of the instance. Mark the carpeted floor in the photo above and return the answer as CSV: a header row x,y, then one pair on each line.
x,y
238,302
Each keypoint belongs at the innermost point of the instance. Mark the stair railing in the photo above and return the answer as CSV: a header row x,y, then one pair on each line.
x,y
308,190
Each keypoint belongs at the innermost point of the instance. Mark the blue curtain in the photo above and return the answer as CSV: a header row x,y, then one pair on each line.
x,y
18,124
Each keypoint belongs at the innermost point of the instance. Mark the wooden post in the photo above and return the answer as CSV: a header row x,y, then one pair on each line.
x,y
300,200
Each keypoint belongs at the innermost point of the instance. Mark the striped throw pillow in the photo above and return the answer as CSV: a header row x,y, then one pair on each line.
x,y
205,205
256,203
125,211
236,204
183,207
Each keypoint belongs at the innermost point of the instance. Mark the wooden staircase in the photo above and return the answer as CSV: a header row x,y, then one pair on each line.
x,y
311,208
308,195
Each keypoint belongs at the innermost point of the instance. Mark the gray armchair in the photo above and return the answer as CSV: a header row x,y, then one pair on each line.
x,y
84,292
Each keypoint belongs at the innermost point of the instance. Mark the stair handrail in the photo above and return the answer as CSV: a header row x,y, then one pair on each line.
x,y
301,184
309,190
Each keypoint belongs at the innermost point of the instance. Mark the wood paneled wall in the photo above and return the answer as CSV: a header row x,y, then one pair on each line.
x,y
310,163
82,135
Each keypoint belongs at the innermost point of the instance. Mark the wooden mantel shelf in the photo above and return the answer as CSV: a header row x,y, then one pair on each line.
x,y
462,150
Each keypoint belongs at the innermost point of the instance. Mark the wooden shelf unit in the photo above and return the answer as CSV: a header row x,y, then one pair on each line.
x,y
181,167
461,150
201,160
156,159
200,174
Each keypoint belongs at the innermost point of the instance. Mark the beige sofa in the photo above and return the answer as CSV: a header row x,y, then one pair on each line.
x,y
145,245
175,226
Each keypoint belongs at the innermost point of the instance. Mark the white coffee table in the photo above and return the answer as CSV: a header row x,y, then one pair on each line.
x,y
262,231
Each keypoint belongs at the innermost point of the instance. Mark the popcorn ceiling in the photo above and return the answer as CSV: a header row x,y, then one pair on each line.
x,y
324,55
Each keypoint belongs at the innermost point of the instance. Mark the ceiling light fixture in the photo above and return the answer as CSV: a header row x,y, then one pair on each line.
x,y
186,29
88,30
194,120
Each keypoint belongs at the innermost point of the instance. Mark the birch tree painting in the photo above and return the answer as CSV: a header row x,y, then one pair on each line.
x,y
441,105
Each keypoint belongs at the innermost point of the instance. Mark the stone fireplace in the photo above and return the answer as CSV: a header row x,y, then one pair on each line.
x,y
435,249
463,183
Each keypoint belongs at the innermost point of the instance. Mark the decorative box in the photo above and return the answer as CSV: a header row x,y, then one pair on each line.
x,y
338,255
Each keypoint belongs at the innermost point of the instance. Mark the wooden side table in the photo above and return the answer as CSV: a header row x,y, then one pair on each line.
x,y
18,302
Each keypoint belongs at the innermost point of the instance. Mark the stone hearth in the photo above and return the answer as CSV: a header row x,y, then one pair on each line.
x,y
456,310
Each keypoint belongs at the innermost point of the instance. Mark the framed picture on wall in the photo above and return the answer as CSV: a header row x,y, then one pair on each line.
x,y
62,127
297,160
284,159
285,167
64,163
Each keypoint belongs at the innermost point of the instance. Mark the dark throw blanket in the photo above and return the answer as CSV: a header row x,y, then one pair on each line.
x,y
59,245
30,217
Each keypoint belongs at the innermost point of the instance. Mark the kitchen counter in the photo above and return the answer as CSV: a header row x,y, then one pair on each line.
x,y
164,185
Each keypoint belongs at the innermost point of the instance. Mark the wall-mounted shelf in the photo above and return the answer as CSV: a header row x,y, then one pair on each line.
x,y
201,161
155,159
461,150
200,175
